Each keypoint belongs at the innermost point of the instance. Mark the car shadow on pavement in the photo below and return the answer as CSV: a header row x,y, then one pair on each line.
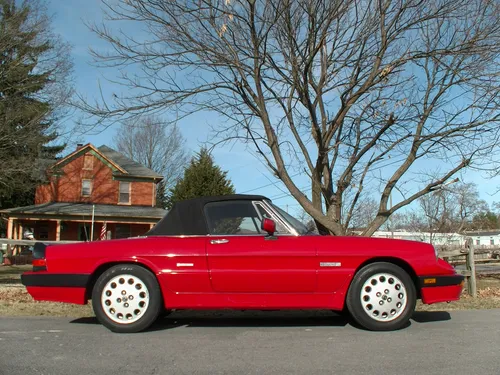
x,y
236,318
430,316
249,319
264,319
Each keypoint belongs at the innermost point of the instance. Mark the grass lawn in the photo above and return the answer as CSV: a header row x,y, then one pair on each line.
x,y
12,274
15,301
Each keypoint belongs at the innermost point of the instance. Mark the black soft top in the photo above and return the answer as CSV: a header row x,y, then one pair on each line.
x,y
188,218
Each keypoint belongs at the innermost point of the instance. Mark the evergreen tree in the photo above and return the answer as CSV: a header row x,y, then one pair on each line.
x,y
202,178
34,73
161,195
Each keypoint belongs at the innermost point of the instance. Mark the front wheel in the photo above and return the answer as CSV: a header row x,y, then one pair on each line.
x,y
382,297
126,298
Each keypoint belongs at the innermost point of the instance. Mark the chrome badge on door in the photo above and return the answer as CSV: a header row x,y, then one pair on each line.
x,y
330,264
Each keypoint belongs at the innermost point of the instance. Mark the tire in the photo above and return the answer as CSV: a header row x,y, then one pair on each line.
x,y
381,297
126,298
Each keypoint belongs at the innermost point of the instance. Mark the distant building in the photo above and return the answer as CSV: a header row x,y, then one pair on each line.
x,y
449,239
485,239
91,182
481,239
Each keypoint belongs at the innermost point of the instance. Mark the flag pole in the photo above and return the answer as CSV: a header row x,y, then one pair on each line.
x,y
92,227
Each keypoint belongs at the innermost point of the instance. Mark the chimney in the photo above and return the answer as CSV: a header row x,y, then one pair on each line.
x,y
79,146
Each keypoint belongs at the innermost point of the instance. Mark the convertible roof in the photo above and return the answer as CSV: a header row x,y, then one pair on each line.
x,y
187,217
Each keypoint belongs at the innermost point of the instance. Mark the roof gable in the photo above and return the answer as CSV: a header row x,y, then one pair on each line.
x,y
119,163
130,166
89,148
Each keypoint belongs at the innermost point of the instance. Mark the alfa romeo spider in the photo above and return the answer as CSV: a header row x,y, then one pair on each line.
x,y
241,252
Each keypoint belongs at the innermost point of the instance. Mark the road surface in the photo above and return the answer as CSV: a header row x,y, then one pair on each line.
x,y
464,342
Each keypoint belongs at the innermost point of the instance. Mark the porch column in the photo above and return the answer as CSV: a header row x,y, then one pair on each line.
x,y
14,230
58,230
151,226
10,227
19,231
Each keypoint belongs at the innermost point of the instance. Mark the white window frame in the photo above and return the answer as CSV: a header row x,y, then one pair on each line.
x,y
90,187
120,192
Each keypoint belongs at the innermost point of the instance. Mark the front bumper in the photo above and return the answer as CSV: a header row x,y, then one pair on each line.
x,y
441,288
68,288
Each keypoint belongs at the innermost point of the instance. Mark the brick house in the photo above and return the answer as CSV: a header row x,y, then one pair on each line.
x,y
91,185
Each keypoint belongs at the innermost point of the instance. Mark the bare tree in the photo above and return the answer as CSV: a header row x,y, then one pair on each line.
x,y
364,213
156,144
341,90
447,210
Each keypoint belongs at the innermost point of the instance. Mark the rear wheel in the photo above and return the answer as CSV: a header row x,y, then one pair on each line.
x,y
381,297
127,298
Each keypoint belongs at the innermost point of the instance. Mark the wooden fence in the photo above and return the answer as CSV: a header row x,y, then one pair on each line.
x,y
469,256
11,250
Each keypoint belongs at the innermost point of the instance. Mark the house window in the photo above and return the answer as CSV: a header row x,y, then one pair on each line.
x,y
124,192
88,162
492,241
86,188
478,242
43,232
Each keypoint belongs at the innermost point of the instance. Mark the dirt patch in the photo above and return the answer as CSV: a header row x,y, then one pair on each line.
x,y
15,301
488,298
488,281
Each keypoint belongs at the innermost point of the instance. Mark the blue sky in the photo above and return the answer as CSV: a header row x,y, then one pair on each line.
x,y
247,172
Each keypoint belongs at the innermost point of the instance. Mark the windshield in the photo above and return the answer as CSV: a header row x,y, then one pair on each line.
x,y
296,224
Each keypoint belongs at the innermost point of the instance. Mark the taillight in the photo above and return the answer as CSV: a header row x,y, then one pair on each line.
x,y
39,263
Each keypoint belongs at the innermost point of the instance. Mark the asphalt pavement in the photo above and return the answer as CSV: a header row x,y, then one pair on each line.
x,y
463,342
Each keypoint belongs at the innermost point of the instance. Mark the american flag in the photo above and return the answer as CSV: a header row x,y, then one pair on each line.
x,y
103,232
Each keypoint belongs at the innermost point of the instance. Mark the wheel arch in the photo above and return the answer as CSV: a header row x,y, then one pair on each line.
x,y
396,261
106,266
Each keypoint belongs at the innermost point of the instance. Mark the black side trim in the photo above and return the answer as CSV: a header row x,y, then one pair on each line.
x,y
59,280
440,280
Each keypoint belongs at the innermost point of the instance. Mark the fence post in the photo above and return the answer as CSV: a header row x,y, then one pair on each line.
x,y
471,267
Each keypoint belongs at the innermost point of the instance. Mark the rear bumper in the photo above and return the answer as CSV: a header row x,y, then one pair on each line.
x,y
68,288
436,289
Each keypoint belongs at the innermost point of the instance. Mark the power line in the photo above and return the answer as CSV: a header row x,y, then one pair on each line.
x,y
280,196
272,183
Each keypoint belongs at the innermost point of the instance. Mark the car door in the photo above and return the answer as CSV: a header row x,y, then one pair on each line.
x,y
242,259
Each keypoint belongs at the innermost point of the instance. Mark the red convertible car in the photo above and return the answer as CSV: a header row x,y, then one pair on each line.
x,y
241,252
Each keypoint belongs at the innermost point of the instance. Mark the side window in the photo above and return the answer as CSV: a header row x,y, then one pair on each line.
x,y
233,217
280,229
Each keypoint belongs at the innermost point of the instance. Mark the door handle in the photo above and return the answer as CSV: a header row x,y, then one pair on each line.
x,y
217,242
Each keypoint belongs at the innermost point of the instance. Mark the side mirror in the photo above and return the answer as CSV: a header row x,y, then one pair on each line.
x,y
268,226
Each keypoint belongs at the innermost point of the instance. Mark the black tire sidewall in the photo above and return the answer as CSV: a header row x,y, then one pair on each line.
x,y
155,299
356,309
